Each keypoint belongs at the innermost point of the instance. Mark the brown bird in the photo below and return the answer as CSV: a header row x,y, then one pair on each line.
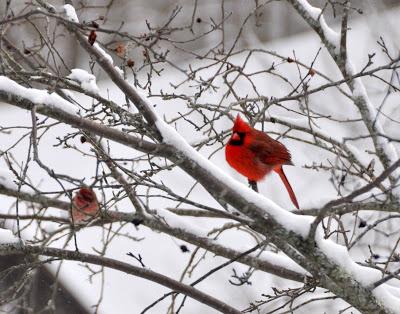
x,y
84,205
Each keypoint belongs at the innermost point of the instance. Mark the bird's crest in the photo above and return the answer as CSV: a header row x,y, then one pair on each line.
x,y
87,194
240,126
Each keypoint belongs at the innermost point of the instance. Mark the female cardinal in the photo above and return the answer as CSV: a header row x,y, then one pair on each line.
x,y
84,205
254,154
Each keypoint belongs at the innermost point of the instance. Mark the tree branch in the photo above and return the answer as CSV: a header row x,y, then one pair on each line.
x,y
29,250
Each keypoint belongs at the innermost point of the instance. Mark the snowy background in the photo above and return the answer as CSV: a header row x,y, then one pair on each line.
x,y
126,294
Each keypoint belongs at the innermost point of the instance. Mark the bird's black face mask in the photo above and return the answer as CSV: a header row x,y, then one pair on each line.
x,y
237,138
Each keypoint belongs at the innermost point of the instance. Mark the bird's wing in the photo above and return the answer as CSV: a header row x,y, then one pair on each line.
x,y
269,151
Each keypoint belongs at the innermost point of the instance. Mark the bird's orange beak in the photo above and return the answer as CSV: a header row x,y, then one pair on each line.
x,y
235,136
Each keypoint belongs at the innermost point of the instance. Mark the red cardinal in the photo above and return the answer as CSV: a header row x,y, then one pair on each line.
x,y
84,205
254,154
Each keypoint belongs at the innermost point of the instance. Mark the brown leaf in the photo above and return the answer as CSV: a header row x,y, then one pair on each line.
x,y
120,50
92,37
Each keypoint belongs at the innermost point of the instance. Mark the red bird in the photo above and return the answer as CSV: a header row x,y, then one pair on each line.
x,y
84,205
254,154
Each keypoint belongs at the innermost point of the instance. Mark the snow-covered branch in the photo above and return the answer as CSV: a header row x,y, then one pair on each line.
x,y
53,106
29,250
270,263
97,165
284,228
332,41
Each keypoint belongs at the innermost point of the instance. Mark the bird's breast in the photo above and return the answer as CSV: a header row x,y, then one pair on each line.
x,y
246,162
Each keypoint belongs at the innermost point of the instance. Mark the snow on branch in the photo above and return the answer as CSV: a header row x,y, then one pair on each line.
x,y
243,198
7,237
255,206
70,13
58,108
314,16
85,80
106,62
6,181
337,48
366,276
230,188
384,149
330,264
120,266
169,224
36,96
285,225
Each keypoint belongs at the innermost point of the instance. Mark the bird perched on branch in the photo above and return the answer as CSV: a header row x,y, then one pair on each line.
x,y
84,205
254,154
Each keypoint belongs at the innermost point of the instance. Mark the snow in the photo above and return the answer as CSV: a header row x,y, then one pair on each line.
x,y
51,8
366,276
6,181
103,53
119,70
86,80
312,11
281,260
303,45
70,12
159,247
49,227
37,96
108,58
176,221
68,93
359,91
7,237
338,254
290,221
330,35
389,300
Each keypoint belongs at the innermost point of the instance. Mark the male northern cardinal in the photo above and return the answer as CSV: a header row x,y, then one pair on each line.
x,y
84,205
254,154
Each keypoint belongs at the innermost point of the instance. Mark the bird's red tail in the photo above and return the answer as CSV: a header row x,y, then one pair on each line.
x,y
279,170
